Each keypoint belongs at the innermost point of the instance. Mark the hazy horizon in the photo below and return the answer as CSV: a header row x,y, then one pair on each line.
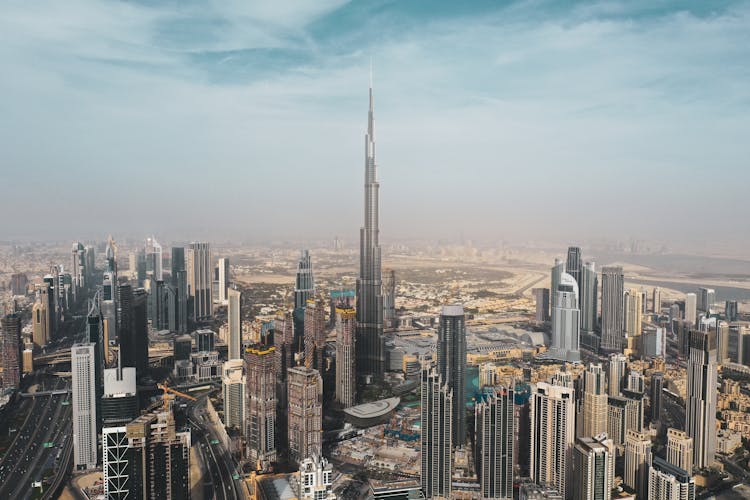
x,y
229,121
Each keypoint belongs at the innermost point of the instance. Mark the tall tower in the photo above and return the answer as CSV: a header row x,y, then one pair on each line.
x,y
691,308
594,401
436,434
657,404
180,284
552,436
305,413
304,289
370,342
593,470
153,258
637,462
83,367
613,287
315,334
234,320
574,264
700,411
680,450
223,278
199,270
261,405
589,293
11,346
566,320
233,384
345,367
494,418
451,362
556,272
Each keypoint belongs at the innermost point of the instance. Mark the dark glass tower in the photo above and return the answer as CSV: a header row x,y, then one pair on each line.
x,y
304,289
451,361
574,265
370,346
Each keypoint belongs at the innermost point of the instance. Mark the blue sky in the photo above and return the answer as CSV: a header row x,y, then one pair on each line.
x,y
499,120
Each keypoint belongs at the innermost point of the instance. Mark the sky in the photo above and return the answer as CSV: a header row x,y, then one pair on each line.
x,y
244,121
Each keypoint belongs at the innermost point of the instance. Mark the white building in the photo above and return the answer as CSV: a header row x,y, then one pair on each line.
x,y
233,385
82,360
234,320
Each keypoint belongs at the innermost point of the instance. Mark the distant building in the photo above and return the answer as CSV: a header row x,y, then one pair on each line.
x,y
706,299
566,320
119,399
588,288
617,366
731,311
557,270
223,278
205,340
691,308
656,300
83,367
234,320
199,269
315,335
541,297
613,308
316,479
153,253
40,316
637,462
180,285
11,357
657,388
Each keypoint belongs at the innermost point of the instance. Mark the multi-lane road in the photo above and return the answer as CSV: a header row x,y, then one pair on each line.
x,y
38,442
219,468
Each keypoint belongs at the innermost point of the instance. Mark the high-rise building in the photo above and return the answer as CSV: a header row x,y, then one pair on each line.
x,y
637,462
316,479
160,457
78,269
588,297
635,381
617,366
180,285
119,399
199,267
731,311
668,482
260,432
691,308
566,320
657,388
40,319
617,421
557,270
389,299
18,283
305,394
700,405
153,253
593,469
346,325
205,340
594,415
680,449
12,348
574,264
435,436
304,290
370,343
722,342
706,299
117,464
541,298
494,416
315,334
451,364
633,313
656,300
234,322
135,348
613,308
224,278
83,367
552,436
233,385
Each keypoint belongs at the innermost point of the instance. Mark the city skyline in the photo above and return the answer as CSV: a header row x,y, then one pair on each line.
x,y
478,98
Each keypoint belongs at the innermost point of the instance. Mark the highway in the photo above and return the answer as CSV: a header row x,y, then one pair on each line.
x,y
218,484
27,458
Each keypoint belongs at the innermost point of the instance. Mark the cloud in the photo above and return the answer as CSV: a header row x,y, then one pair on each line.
x,y
245,119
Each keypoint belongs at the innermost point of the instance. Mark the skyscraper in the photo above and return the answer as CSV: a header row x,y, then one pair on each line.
x,y
555,274
691,308
304,289
153,252
657,387
180,284
305,412
656,300
731,310
370,343
345,368
637,462
633,313
700,405
566,320
199,267
680,449
233,386
617,366
552,436
11,350
706,299
588,297
594,463
594,415
315,334
261,405
451,363
83,367
234,321
494,416
613,283
435,435
668,482
119,403
40,319
574,264
541,297
223,278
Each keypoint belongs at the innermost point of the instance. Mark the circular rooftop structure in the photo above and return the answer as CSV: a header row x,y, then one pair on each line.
x,y
369,414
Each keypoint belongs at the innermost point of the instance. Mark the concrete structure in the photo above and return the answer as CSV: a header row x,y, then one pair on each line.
x,y
657,396
370,342
706,299
223,278
305,415
153,253
541,298
494,417
199,270
451,364
633,313
315,334
566,320
691,308
233,386
680,450
316,479
11,349
656,300
594,414
40,319
593,469
613,283
557,270
83,367
700,404
261,405
667,482
234,322
119,403
617,366
436,435
346,379
588,288
637,462
370,414
552,415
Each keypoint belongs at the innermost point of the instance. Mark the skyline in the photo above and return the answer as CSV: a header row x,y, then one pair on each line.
x,y
243,108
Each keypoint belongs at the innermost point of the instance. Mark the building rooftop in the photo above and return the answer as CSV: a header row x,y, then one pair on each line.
x,y
374,409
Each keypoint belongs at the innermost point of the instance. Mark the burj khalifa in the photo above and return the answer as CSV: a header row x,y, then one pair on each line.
x,y
370,343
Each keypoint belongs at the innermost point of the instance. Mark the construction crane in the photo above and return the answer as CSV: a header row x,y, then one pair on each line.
x,y
167,397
